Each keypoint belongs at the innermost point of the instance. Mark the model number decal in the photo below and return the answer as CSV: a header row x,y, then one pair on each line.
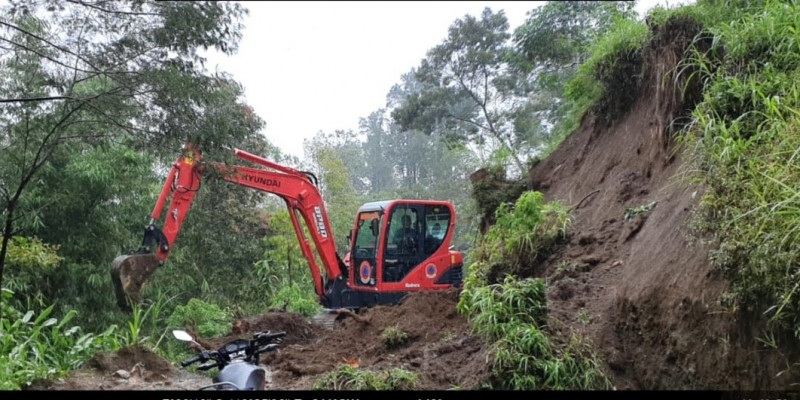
x,y
320,222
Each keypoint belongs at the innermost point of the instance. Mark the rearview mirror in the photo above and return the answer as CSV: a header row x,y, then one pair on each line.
x,y
182,335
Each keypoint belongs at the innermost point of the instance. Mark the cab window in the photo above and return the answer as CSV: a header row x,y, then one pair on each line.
x,y
437,223
367,234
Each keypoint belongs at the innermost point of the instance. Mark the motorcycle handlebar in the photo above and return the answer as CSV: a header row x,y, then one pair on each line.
x,y
202,357
263,342
207,367
267,348
190,361
268,337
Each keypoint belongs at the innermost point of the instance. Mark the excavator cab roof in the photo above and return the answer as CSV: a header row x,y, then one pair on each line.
x,y
384,204
375,205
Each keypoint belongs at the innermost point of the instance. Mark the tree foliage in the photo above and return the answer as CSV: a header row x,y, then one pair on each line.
x,y
548,50
558,34
89,88
331,156
502,93
464,93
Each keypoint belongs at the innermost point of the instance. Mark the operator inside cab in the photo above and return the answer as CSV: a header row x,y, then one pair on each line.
x,y
407,238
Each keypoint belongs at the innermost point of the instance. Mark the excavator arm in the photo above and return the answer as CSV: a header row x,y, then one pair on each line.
x,y
298,189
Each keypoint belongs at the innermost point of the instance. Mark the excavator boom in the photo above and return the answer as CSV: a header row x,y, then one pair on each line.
x,y
298,189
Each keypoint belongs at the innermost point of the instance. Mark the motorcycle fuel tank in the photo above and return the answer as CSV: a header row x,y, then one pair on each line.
x,y
242,376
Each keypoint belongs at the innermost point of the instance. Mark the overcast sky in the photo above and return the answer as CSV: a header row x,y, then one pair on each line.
x,y
320,66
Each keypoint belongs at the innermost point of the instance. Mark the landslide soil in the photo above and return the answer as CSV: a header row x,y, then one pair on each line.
x,y
641,289
440,349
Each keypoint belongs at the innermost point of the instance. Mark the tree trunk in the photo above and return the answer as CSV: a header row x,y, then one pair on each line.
x,y
4,249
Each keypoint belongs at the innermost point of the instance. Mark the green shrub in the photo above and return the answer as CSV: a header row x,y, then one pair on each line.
x,y
296,299
394,337
28,261
207,320
348,378
521,236
41,346
513,317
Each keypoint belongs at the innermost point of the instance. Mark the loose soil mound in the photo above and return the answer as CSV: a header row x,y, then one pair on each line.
x,y
440,348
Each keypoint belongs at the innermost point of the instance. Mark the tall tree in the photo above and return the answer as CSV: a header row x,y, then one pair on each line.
x,y
329,155
379,169
558,34
548,49
347,146
464,90
100,72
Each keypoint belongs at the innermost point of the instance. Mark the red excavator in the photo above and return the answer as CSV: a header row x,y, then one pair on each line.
x,y
395,247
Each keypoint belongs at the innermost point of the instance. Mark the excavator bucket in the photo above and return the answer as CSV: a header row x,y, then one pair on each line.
x,y
129,274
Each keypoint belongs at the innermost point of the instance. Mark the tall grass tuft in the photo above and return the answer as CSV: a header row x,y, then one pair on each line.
x,y
512,316
742,147
348,378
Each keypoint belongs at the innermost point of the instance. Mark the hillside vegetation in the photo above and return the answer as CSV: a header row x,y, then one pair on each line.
x,y
632,225
678,262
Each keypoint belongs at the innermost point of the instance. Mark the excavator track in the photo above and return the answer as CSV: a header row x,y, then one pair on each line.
x,y
326,319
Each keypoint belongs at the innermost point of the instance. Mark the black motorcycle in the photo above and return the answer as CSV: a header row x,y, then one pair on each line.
x,y
236,360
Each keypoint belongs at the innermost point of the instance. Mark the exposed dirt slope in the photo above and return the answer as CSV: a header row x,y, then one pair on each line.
x,y
645,286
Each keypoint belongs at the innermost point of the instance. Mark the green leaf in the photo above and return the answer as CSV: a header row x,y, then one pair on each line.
x,y
27,317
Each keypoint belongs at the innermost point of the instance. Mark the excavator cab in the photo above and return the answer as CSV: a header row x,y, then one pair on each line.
x,y
403,245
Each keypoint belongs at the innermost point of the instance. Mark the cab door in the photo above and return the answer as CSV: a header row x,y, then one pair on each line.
x,y
364,252
403,242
